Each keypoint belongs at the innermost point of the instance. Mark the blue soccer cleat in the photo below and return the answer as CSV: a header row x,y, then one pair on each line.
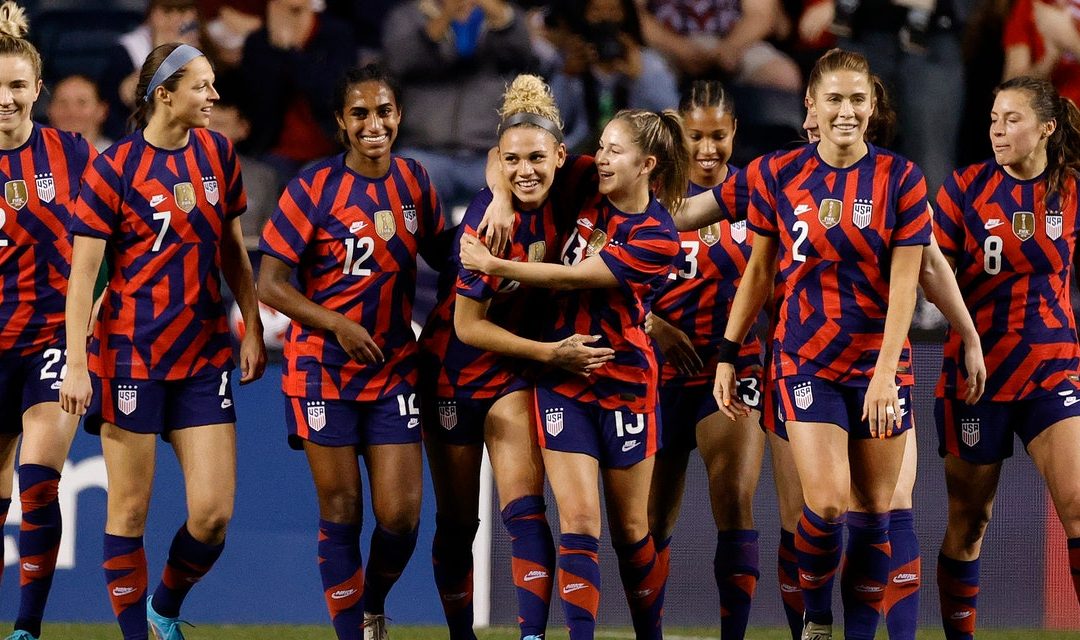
x,y
163,628
21,635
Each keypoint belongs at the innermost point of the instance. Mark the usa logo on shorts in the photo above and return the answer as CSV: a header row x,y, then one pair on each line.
x,y
969,431
127,398
553,421
804,395
448,415
316,415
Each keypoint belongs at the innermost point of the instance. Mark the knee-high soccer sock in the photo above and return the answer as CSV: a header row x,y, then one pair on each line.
x,y
533,561
642,579
389,554
341,567
39,542
735,566
663,557
787,573
958,590
5,506
125,573
189,560
817,546
1074,564
452,560
905,577
866,572
579,583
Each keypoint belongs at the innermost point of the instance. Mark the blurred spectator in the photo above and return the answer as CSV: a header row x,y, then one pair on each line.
x,y
602,65
914,47
453,58
227,24
1041,39
260,179
721,38
77,106
367,20
291,67
166,21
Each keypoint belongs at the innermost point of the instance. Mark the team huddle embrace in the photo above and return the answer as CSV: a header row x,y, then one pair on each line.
x,y
597,319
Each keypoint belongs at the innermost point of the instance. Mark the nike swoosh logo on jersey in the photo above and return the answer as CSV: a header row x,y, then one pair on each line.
x,y
156,200
357,226
802,208
993,222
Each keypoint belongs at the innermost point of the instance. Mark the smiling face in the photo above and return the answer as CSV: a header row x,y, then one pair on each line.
x,y
193,99
621,165
529,158
1017,135
76,106
19,89
710,135
370,120
843,101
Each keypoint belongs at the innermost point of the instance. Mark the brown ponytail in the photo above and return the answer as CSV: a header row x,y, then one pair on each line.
x,y
660,135
881,130
1063,146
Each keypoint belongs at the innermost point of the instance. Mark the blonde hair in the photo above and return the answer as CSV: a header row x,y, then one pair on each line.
x,y
661,135
529,94
13,29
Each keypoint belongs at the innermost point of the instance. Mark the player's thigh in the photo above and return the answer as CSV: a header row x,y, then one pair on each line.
x,y
875,468
820,453
335,470
513,448
129,467
732,451
1056,453
207,456
789,491
626,495
455,474
8,444
905,483
47,435
396,474
666,490
574,479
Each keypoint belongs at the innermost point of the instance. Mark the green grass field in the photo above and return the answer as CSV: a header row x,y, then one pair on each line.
x,y
290,632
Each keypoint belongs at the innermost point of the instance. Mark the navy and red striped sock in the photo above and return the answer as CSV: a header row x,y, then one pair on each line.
x,y
663,557
818,548
5,506
389,554
189,560
125,574
958,590
579,583
787,574
452,560
643,581
533,561
1074,564
341,568
865,574
735,566
39,542
905,577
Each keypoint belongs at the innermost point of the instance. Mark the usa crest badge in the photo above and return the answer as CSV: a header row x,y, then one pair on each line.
x,y
385,225
1053,224
861,212
1023,224
804,395
448,415
537,251
46,187
409,213
829,212
710,235
15,194
316,415
184,194
127,398
969,431
210,189
553,422
738,231
596,243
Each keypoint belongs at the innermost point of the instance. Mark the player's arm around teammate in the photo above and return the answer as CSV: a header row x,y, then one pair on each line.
x,y
162,201
1009,225
351,228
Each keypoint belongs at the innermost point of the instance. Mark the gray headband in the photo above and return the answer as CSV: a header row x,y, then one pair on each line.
x,y
173,62
533,119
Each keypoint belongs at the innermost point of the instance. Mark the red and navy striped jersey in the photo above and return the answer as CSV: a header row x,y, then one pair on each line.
x,y
354,242
640,250
1013,255
698,301
41,181
163,213
836,229
463,371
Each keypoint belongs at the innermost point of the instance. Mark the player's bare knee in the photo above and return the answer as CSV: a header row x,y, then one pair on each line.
x,y
582,522
340,506
210,523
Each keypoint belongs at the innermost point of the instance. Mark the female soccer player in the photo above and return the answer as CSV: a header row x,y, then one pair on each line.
x,y
165,202
842,364
351,227
41,169
616,260
476,393
1010,227
687,323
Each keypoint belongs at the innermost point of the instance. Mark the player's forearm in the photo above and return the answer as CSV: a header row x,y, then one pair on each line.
x,y
697,212
485,334
940,288
754,290
903,281
591,273
236,267
86,257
